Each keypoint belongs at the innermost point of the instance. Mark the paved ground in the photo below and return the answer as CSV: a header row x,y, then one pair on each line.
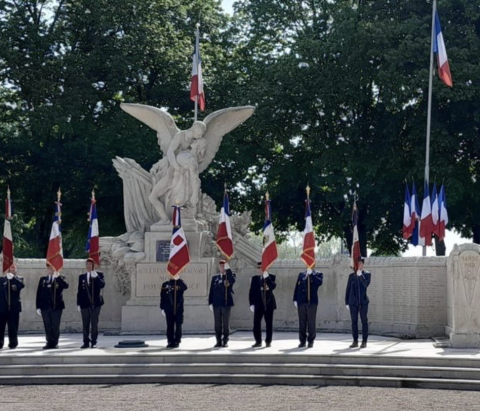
x,y
229,398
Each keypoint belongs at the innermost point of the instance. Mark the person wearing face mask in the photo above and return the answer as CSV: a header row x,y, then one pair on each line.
x,y
356,301
220,300
10,305
171,305
89,302
50,304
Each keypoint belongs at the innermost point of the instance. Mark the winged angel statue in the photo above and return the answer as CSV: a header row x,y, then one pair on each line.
x,y
148,196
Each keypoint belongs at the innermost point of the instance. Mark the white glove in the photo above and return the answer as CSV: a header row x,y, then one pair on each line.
x,y
265,274
211,307
227,266
252,308
163,313
347,307
10,276
56,274
94,274
176,277
309,271
79,309
39,311
359,273
295,304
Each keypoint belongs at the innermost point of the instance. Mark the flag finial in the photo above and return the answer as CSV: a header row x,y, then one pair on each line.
x,y
59,194
267,196
8,192
308,191
93,194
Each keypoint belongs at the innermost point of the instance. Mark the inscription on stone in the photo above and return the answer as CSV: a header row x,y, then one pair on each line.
x,y
151,276
162,250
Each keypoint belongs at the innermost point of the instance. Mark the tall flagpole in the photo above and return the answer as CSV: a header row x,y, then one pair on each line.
x,y
197,48
429,109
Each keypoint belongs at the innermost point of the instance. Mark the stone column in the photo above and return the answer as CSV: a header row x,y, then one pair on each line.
x,y
463,273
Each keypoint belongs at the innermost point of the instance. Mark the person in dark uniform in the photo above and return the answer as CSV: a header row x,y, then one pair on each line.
x,y
262,304
50,304
356,301
220,300
90,301
10,306
305,299
171,304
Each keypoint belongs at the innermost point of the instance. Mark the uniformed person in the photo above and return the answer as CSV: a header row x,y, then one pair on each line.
x,y
305,299
171,304
356,301
10,306
90,301
50,304
220,300
262,304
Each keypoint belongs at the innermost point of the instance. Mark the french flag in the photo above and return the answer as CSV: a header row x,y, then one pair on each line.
x,y
55,250
356,252
407,215
179,254
7,243
443,219
269,251
93,246
196,88
426,225
308,252
416,238
441,52
414,209
224,232
435,210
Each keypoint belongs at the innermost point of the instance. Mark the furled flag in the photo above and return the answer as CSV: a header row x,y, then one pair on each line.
x,y
224,233
426,225
435,210
93,246
441,52
414,209
7,244
308,253
269,251
179,255
196,88
356,252
55,251
443,218
416,238
407,215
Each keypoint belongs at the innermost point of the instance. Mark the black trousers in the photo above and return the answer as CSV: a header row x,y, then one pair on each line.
x,y
221,317
307,320
90,317
51,322
12,319
174,326
363,311
258,314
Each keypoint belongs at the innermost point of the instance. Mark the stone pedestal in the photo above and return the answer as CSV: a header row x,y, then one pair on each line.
x,y
463,325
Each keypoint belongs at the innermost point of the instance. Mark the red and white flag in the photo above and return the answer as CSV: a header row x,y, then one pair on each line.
x,y
179,255
93,239
55,250
269,251
441,52
435,210
196,88
356,252
407,215
443,219
7,243
426,221
224,233
308,253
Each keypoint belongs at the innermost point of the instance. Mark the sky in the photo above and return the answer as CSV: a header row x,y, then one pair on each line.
x,y
227,5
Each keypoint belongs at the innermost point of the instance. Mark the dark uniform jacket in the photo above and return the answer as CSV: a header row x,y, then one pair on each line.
x,y
217,289
356,293
261,290
50,294
168,298
300,294
90,295
15,285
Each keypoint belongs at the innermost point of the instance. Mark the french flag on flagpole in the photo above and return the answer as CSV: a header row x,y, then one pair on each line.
x,y
443,218
196,88
7,243
441,52
426,226
414,209
179,254
55,250
269,251
416,238
93,246
435,210
407,215
308,253
356,252
224,232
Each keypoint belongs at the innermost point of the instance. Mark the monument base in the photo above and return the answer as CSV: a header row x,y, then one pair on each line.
x,y
459,340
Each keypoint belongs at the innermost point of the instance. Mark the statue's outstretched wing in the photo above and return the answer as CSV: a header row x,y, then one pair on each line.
x,y
162,122
218,124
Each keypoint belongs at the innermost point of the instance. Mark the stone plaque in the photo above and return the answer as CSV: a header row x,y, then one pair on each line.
x,y
162,250
151,276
